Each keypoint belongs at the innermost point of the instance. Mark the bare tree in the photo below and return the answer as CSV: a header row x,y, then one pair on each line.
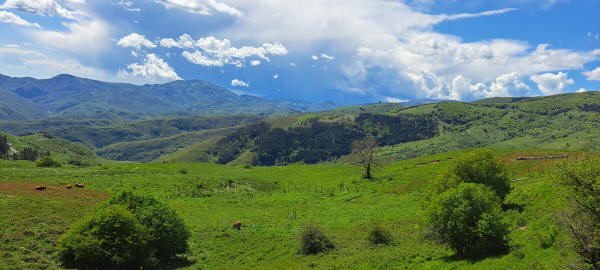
x,y
365,149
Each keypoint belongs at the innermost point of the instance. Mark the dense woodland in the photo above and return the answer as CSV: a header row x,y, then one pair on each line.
x,y
320,141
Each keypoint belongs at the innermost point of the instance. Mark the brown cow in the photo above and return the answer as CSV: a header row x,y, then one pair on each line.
x,y
237,225
68,186
40,188
77,185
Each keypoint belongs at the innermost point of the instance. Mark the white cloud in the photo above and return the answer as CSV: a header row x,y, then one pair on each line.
x,y
41,7
314,57
199,59
276,76
153,70
255,62
9,17
376,46
581,90
592,75
202,7
136,41
36,64
550,84
127,5
85,37
328,57
239,83
393,100
211,51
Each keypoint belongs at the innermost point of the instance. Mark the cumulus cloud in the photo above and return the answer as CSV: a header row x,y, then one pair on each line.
x,y
211,51
255,62
550,84
407,57
581,90
127,5
202,7
592,75
136,41
239,83
314,57
41,7
326,56
9,17
153,70
276,76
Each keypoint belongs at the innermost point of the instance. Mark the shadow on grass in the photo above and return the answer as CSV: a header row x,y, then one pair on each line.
x,y
513,206
177,262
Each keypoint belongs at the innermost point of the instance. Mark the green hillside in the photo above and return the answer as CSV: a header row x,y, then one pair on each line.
x,y
59,149
566,122
210,198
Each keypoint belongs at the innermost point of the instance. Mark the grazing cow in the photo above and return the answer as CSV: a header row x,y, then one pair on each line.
x,y
77,185
40,188
68,186
237,225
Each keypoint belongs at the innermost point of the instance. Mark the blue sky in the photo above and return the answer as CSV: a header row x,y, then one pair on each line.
x,y
347,51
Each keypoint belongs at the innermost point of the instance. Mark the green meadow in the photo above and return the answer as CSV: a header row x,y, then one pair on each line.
x,y
274,203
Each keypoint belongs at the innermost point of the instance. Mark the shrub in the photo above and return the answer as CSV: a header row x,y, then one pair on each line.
x,y
166,232
380,236
582,218
313,241
479,166
112,238
47,162
468,218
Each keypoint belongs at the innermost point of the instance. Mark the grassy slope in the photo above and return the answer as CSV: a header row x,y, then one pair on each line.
x,y
60,149
211,197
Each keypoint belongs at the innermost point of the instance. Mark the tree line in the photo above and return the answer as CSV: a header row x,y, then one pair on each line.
x,y
319,141
28,153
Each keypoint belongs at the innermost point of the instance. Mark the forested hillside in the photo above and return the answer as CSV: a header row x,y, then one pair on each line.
x,y
567,122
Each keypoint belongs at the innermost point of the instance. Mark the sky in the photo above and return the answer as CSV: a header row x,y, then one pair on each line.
x,y
345,51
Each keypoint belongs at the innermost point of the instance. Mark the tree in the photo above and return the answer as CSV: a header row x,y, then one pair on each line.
x,y
112,238
468,218
365,149
48,162
166,232
582,219
4,147
479,166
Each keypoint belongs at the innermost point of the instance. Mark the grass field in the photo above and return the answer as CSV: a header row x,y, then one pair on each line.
x,y
210,198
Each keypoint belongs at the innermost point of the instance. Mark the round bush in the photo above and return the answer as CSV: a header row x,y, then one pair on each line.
x,y
480,166
166,232
47,162
380,236
313,241
468,218
112,238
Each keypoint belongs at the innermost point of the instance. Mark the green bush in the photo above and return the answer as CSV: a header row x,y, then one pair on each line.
x,y
479,166
166,232
380,236
468,218
313,241
112,238
47,162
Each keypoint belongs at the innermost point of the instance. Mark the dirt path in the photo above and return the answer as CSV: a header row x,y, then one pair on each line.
x,y
75,196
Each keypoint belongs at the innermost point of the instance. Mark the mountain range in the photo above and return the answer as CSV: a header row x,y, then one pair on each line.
x,y
74,97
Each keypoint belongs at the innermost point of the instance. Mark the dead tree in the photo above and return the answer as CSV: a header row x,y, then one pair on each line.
x,y
365,150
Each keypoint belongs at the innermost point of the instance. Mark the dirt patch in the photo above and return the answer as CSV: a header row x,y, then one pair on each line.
x,y
75,196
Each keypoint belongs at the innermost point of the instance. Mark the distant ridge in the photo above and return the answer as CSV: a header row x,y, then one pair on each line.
x,y
66,95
